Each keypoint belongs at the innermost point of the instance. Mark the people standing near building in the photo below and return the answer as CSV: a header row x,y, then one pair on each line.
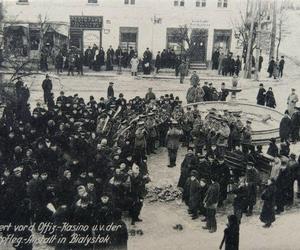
x,y
182,71
237,66
158,62
59,61
173,140
71,63
211,203
270,99
261,95
147,58
281,66
110,58
134,62
231,234
271,67
292,101
47,88
220,63
79,63
110,91
215,59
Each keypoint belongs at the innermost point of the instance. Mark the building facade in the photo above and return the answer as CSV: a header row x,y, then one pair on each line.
x,y
139,24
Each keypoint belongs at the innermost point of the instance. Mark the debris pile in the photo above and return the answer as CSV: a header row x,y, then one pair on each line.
x,y
163,193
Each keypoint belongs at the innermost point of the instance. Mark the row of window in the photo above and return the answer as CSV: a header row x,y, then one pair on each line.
x,y
180,3
202,3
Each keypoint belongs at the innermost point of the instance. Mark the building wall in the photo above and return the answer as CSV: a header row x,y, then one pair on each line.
x,y
116,14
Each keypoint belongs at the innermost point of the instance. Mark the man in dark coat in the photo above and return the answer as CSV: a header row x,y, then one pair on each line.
x,y
194,194
281,66
110,91
252,181
273,149
158,62
271,67
47,88
285,127
295,122
189,163
215,59
261,98
267,214
282,187
210,203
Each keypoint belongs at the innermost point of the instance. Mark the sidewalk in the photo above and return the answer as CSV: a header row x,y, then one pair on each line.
x,y
164,74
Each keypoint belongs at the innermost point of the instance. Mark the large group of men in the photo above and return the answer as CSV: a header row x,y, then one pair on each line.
x,y
86,162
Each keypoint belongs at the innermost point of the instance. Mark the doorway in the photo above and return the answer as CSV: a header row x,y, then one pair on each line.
x,y
198,47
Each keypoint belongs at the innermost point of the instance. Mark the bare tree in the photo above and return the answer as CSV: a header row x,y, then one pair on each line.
x,y
281,29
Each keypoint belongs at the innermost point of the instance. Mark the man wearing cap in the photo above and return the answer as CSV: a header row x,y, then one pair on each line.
x,y
47,88
261,95
189,163
140,142
285,127
110,91
194,78
173,139
194,194
182,68
150,126
246,139
252,179
210,203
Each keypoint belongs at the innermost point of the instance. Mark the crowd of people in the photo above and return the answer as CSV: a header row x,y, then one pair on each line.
x,y
97,59
86,162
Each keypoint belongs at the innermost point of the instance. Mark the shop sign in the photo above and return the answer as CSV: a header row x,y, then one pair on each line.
x,y
86,22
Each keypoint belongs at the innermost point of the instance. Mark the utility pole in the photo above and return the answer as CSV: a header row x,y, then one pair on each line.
x,y
258,42
250,38
273,33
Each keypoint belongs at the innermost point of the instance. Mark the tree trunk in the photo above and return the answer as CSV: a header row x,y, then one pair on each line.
x,y
273,32
258,37
249,48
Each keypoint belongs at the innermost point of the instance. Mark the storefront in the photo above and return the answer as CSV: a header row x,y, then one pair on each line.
x,y
128,38
222,40
16,39
85,31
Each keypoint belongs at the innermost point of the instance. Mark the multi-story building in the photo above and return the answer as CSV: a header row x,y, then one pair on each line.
x,y
139,24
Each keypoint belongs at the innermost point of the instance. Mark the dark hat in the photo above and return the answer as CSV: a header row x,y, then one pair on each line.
x,y
190,148
248,122
111,83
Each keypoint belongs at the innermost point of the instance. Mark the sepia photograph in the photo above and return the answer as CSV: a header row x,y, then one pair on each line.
x,y
149,124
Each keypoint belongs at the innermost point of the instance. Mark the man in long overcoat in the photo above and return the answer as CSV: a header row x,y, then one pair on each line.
x,y
173,141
